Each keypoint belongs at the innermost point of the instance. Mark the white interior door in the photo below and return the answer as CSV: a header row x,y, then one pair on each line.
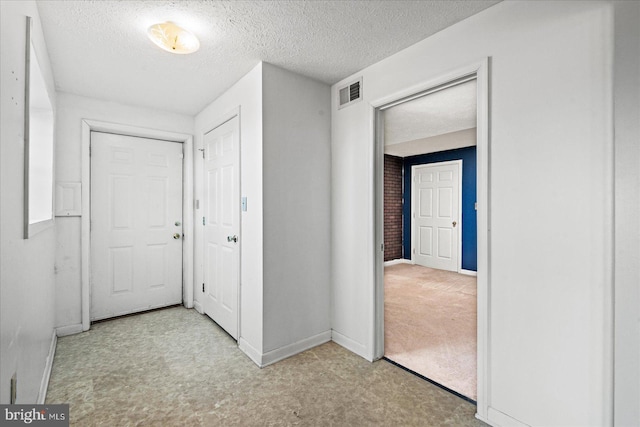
x,y
221,225
436,214
136,224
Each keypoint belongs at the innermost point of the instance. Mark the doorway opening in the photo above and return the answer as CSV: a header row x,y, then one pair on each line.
x,y
430,298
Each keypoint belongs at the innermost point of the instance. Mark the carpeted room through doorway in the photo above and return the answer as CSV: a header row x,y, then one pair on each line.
x,y
430,324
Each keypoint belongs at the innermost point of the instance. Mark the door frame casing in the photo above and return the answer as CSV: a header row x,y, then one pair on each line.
x,y
480,71
458,219
89,126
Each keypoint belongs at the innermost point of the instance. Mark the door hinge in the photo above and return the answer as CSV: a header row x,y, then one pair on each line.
x,y
382,247
202,220
201,149
203,287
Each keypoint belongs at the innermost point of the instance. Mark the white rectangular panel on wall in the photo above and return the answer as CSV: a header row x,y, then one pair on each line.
x,y
68,199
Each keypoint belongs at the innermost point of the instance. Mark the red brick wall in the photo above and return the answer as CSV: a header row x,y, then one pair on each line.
x,y
392,207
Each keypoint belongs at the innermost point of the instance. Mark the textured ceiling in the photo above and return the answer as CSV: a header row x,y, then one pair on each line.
x,y
100,48
449,110
432,144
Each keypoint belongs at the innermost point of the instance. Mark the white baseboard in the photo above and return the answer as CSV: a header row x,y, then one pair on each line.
x,y
281,353
499,419
483,419
198,307
468,272
63,331
397,261
48,365
273,356
351,345
253,354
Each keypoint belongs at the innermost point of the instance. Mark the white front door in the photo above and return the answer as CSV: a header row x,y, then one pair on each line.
x,y
221,223
436,214
136,224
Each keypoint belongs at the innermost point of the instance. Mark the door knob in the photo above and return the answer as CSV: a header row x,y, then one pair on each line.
x,y
176,235
233,239
454,223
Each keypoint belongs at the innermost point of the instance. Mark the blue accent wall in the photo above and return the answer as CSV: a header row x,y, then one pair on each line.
x,y
469,222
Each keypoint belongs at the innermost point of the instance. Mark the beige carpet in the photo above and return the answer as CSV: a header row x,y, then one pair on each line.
x,y
430,324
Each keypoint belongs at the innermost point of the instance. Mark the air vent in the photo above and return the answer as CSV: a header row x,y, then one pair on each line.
x,y
350,93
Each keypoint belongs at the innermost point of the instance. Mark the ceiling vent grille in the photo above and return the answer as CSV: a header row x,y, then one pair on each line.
x,y
350,93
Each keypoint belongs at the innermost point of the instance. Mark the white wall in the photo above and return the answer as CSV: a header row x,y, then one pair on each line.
x,y
246,94
627,213
284,259
71,109
27,281
550,202
296,186
352,263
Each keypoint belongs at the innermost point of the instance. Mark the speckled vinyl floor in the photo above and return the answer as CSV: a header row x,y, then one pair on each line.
x,y
175,367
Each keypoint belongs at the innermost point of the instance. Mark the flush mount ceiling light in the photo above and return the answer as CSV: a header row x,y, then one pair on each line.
x,y
172,38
